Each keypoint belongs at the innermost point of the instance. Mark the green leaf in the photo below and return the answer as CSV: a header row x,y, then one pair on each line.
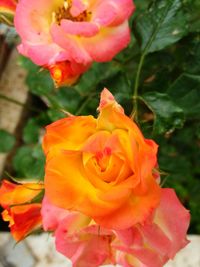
x,y
7,141
185,91
192,8
31,132
168,115
192,58
29,162
161,25
97,73
67,99
55,115
38,80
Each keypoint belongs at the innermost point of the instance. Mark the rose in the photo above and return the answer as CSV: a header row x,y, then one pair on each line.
x,y
20,210
72,30
102,167
151,243
66,73
7,11
67,36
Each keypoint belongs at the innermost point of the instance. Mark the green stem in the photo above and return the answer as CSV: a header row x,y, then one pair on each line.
x,y
134,112
85,103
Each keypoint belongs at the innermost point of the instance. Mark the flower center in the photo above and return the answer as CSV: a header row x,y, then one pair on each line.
x,y
103,158
63,12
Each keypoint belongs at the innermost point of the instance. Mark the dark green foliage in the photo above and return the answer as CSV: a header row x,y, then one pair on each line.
x,y
162,24
29,162
186,91
7,141
167,115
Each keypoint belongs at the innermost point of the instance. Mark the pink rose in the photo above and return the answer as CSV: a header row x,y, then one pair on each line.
x,y
150,244
72,30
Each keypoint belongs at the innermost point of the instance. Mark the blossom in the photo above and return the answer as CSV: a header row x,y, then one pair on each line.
x,y
79,31
66,73
103,168
7,11
20,210
150,244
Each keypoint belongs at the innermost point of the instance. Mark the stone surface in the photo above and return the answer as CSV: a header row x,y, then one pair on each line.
x,y
39,251
189,256
11,86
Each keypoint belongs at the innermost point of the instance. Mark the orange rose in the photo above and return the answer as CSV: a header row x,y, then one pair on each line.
x,y
102,167
23,215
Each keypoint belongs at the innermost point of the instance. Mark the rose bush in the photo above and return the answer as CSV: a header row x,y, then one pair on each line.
x,y
103,168
23,215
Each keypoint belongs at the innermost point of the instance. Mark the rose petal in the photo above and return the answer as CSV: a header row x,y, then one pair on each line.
x,y
82,195
84,248
7,6
110,41
113,13
105,13
168,217
78,6
49,53
25,219
65,134
13,194
158,239
86,29
134,210
71,44
51,215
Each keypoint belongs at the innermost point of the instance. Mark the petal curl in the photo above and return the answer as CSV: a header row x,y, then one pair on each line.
x,y
71,44
65,134
49,53
112,13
